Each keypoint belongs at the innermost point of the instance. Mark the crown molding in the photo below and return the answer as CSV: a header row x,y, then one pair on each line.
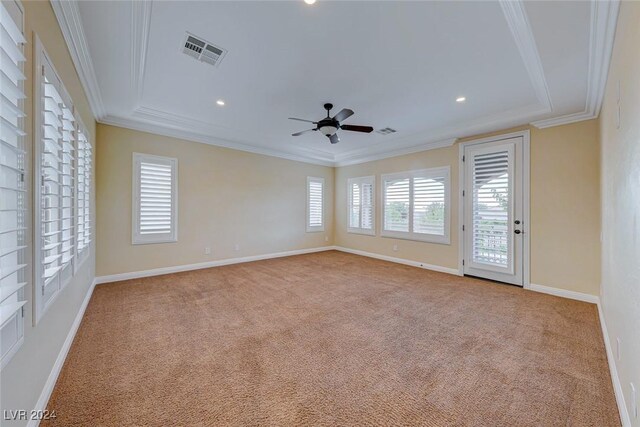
x,y
159,122
68,16
604,18
165,119
348,161
438,138
140,26
518,22
157,129
565,119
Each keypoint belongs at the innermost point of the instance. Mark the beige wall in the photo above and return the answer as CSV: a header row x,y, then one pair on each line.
x,y
23,379
620,293
565,206
225,197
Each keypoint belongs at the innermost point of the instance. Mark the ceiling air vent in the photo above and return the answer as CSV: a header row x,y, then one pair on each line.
x,y
202,50
386,131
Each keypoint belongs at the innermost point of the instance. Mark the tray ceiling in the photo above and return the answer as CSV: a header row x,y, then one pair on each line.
x,y
396,64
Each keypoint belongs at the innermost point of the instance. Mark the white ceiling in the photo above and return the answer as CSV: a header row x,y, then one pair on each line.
x,y
396,64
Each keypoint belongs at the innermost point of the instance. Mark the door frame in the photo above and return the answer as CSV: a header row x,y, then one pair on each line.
x,y
526,199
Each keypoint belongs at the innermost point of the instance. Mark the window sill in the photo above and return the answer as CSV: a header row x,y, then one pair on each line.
x,y
439,240
315,229
153,242
362,232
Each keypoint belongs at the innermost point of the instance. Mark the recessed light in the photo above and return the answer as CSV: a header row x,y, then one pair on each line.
x,y
309,1
220,102
461,99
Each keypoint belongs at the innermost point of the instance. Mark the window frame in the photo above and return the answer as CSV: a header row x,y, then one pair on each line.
x,y
436,172
360,181
315,228
136,237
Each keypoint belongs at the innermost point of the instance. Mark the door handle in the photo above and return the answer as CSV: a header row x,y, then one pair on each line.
x,y
517,231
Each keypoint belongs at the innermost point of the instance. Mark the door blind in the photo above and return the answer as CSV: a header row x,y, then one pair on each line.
x,y
491,198
155,215
12,186
315,204
83,202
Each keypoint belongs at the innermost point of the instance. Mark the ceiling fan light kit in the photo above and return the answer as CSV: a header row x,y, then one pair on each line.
x,y
328,126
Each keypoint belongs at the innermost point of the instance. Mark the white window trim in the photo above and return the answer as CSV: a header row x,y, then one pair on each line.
x,y
315,229
362,180
136,238
445,172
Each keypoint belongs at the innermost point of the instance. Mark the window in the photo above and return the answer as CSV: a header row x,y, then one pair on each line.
x,y
55,189
12,183
361,193
315,204
155,199
416,205
83,194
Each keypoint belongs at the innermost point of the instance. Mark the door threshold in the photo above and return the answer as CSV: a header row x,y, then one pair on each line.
x,y
494,281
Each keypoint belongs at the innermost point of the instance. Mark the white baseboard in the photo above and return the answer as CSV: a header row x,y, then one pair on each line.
x,y
399,260
41,405
188,267
617,386
593,299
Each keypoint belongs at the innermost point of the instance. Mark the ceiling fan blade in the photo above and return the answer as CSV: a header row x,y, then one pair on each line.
x,y
356,128
304,131
334,138
302,120
343,114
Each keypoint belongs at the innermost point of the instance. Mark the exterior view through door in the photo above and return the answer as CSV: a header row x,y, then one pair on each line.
x,y
495,212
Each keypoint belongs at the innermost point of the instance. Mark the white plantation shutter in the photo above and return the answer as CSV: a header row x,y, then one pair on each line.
x,y
396,203
12,183
315,204
416,205
55,185
428,205
155,199
361,196
83,193
354,205
368,190
67,169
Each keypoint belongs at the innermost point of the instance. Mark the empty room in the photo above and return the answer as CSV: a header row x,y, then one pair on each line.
x,y
320,213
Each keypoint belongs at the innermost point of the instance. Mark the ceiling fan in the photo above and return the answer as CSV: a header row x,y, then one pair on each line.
x,y
329,125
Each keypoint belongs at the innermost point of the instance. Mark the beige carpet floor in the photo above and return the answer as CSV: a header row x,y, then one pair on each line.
x,y
332,339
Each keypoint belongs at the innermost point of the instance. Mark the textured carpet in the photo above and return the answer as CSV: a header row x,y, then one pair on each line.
x,y
332,339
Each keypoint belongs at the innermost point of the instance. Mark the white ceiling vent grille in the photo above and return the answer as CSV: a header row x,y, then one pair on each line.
x,y
386,131
202,50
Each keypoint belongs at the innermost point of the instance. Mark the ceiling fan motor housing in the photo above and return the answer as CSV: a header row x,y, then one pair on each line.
x,y
328,126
